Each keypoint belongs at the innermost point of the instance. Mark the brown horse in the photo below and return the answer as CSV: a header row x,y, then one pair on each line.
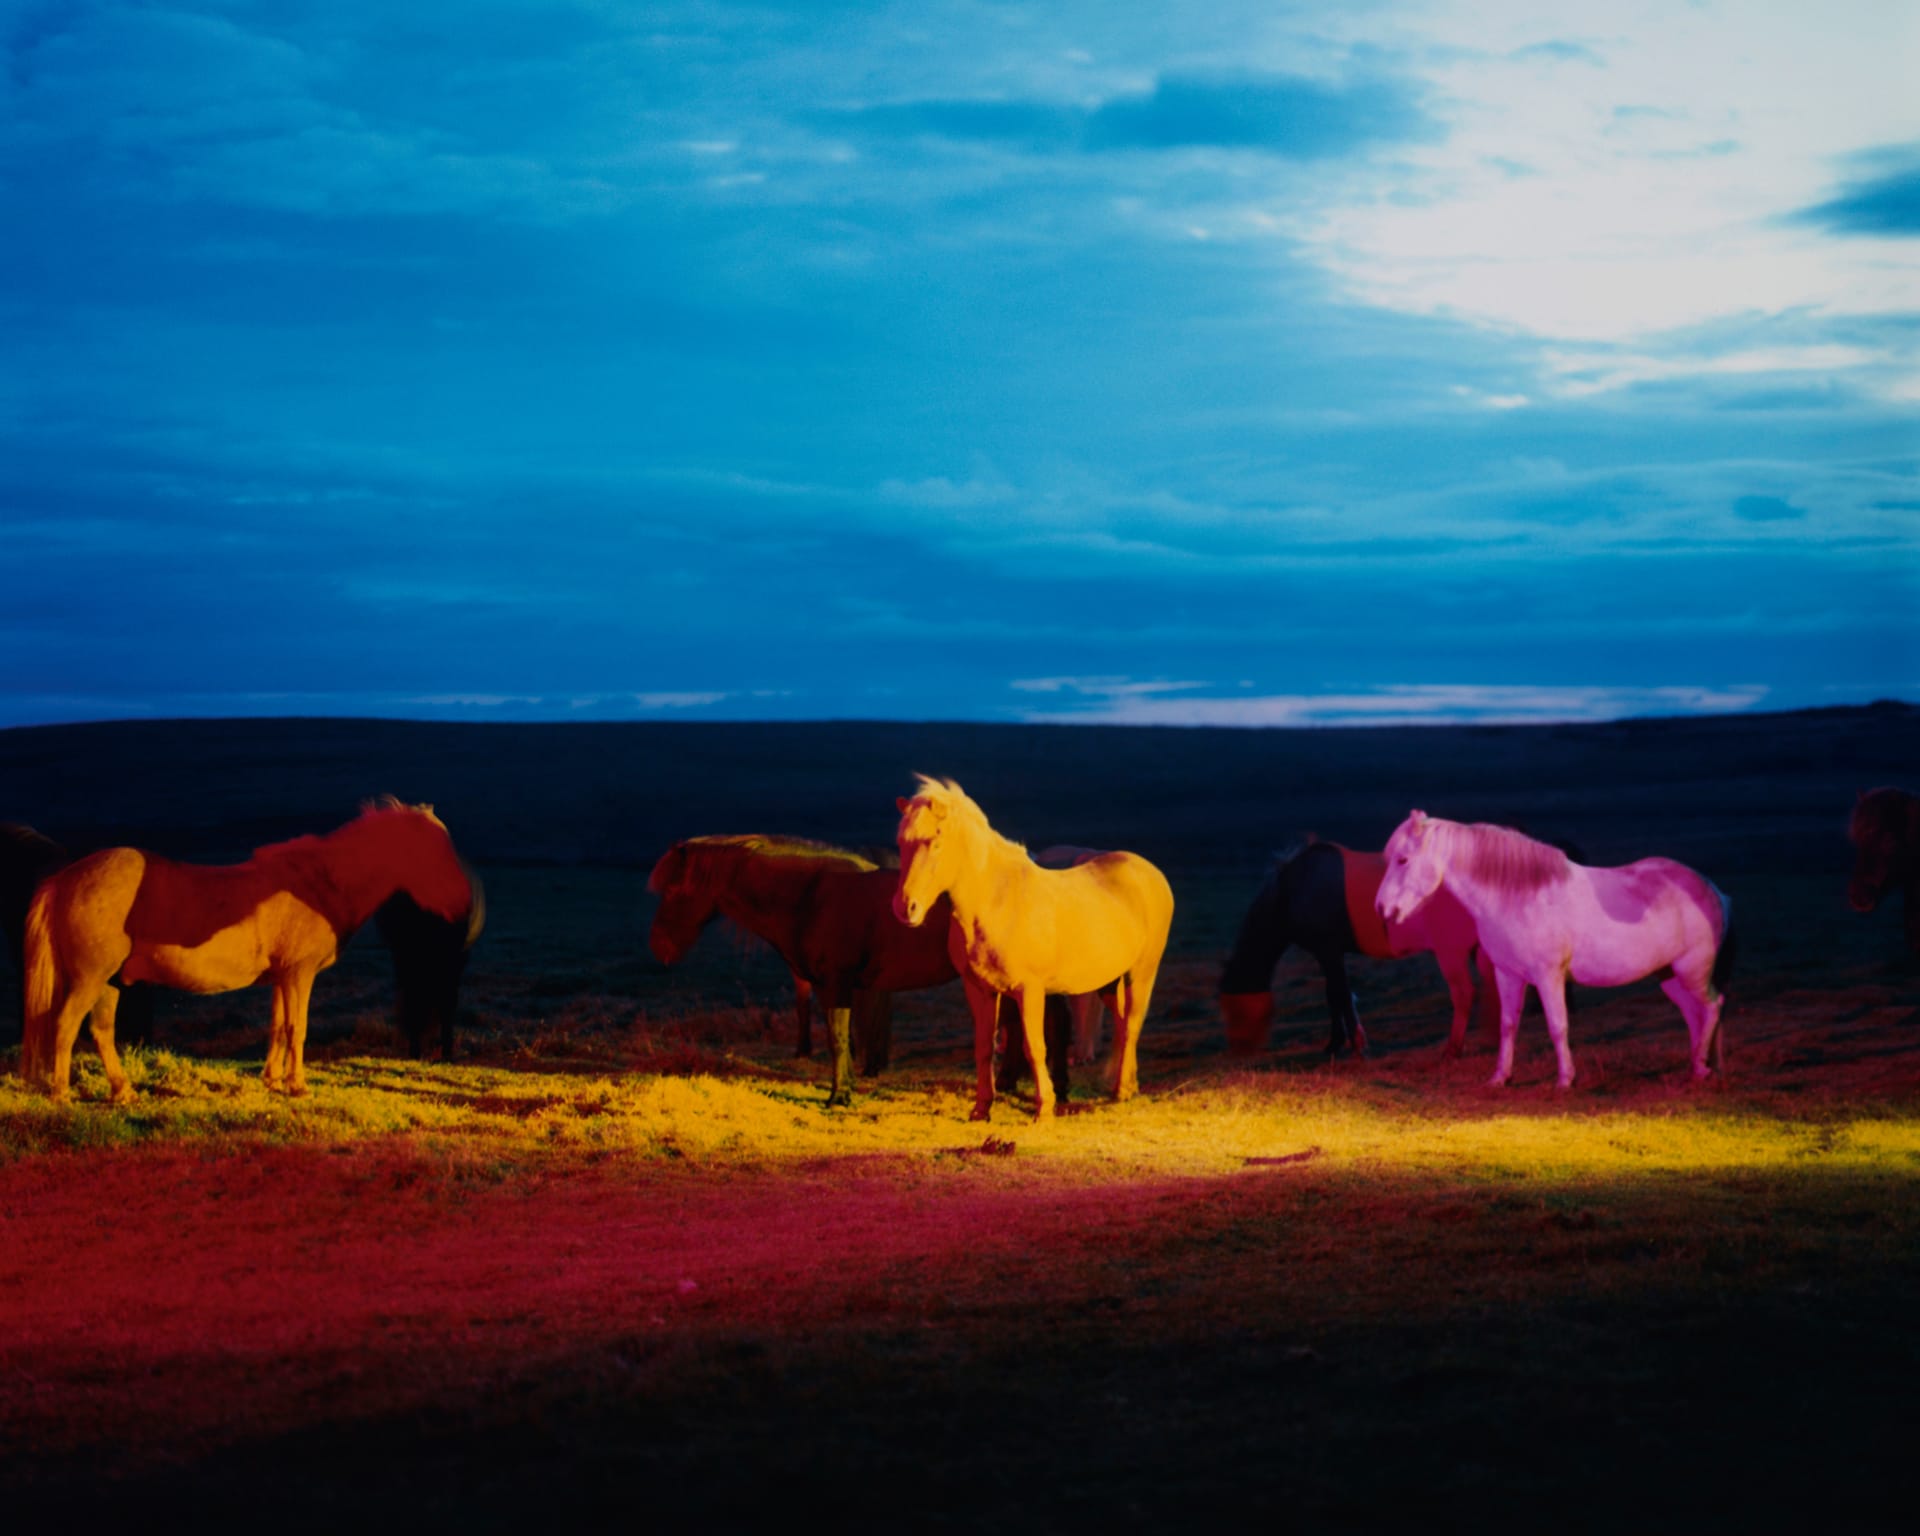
x,y
1886,830
281,916
826,911
872,1012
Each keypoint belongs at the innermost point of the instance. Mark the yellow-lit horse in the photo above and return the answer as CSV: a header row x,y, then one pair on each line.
x,y
1018,929
121,914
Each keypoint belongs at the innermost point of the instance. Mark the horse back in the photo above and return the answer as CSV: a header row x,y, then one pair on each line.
x,y
185,905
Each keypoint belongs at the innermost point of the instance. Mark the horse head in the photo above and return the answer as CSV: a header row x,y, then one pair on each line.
x,y
1885,831
417,851
1416,864
686,905
938,842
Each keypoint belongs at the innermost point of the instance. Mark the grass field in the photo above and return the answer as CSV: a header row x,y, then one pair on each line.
x,y
619,1250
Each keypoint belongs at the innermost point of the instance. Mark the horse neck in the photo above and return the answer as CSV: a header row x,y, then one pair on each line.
x,y
975,888
1261,942
759,894
346,874
1480,899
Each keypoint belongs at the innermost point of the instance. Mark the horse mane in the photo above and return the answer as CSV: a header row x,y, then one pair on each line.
x,y
311,842
955,801
721,852
1509,861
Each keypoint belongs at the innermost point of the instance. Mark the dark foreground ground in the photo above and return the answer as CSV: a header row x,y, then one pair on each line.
x,y
281,1324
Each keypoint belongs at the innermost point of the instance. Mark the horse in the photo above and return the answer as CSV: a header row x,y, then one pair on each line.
x,y
825,910
1885,828
1542,918
26,858
1015,928
1321,897
429,958
282,916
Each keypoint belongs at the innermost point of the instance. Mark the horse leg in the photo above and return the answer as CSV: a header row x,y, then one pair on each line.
x,y
1553,1003
803,1017
1033,1029
840,1029
873,1024
1456,966
101,1023
1085,1009
1059,1043
1691,989
1513,998
1341,1010
279,1043
1138,994
1009,1048
984,1003
63,1031
299,994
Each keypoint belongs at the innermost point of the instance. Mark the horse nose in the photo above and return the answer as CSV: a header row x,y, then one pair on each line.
x,y
1862,898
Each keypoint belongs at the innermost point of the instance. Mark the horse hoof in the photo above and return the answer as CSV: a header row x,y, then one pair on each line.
x,y
123,1095
1496,1081
981,1112
840,1100
297,1091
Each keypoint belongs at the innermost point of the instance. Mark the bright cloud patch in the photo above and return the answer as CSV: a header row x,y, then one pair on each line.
x,y
1108,703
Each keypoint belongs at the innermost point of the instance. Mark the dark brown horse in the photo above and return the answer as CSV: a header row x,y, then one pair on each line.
x,y
827,912
121,915
1886,832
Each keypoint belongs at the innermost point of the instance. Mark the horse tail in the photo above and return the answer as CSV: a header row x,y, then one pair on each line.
x,y
1723,959
40,976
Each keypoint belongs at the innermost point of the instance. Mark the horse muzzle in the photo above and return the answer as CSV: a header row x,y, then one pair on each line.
x,y
1862,896
908,911
666,949
1249,1017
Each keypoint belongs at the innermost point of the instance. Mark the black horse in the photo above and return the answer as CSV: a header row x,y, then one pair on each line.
x,y
429,958
1321,898
1885,830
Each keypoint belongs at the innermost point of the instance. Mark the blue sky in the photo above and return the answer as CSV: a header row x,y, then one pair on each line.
x,y
1254,364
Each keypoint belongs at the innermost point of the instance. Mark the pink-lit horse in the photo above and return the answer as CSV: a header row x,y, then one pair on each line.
x,y
1543,919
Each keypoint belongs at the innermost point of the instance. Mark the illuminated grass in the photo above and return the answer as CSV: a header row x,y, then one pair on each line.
x,y
745,1113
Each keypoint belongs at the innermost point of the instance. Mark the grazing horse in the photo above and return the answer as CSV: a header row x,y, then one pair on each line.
x,y
1321,898
282,916
826,911
429,958
1543,918
1886,830
26,858
1018,929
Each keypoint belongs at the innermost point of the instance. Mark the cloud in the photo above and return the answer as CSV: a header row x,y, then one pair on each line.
x,y
1410,704
1295,116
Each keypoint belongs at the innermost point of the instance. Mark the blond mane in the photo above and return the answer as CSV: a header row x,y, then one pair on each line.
x,y
1505,860
957,803
707,863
